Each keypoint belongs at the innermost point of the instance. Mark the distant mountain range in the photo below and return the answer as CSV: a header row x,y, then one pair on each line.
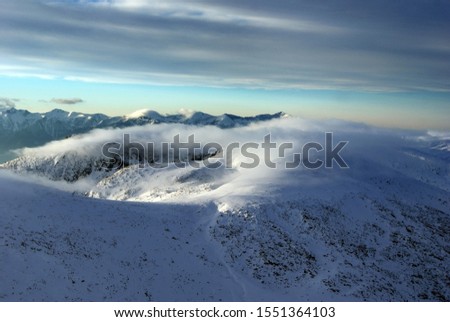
x,y
21,128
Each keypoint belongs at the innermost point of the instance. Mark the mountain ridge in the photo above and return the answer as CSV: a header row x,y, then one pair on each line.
x,y
22,128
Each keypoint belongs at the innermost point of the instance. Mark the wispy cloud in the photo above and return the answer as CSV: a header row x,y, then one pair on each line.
x,y
7,103
219,13
67,101
381,46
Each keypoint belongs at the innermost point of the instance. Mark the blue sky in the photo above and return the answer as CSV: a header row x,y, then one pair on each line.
x,y
383,62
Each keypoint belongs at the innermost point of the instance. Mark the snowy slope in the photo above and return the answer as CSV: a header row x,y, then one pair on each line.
x,y
59,247
375,231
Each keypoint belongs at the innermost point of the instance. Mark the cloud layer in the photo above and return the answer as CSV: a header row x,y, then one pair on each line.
x,y
369,151
379,46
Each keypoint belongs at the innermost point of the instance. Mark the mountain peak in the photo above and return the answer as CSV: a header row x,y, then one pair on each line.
x,y
7,109
145,113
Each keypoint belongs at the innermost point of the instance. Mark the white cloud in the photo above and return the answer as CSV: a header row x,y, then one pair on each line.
x,y
263,44
222,14
6,103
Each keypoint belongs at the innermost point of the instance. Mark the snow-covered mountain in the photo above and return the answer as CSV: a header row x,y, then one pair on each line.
x,y
21,128
375,231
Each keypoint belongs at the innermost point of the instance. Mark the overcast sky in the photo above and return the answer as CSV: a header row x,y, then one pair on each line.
x,y
299,54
